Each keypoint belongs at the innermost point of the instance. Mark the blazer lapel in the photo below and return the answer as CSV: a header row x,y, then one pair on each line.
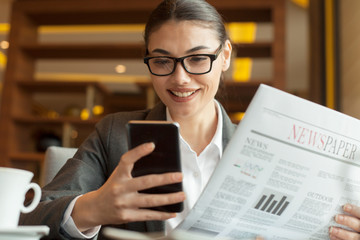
x,y
157,113
228,128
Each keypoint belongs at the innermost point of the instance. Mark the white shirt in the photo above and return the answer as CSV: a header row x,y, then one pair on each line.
x,y
197,171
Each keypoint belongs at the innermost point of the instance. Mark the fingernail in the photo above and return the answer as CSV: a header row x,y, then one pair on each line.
x,y
181,197
333,230
347,207
150,146
178,176
339,218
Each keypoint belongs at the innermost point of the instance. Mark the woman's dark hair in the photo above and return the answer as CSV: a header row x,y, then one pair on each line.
x,y
185,10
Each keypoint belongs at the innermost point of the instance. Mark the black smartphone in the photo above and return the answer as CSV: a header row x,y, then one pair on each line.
x,y
165,157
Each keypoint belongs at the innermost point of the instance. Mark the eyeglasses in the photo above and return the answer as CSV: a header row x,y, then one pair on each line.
x,y
194,64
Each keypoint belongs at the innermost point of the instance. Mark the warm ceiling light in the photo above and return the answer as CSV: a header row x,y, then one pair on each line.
x,y
302,3
120,69
242,32
3,60
98,110
4,44
84,115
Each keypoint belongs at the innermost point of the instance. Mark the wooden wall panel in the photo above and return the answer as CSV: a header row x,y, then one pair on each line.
x,y
350,56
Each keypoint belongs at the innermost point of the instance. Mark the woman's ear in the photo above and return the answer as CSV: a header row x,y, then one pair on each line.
x,y
227,55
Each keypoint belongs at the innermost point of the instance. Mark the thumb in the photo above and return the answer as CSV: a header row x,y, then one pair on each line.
x,y
128,159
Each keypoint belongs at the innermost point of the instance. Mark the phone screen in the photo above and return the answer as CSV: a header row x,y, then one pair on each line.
x,y
165,157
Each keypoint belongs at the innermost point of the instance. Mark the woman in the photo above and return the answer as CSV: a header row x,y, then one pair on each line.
x,y
99,179
189,98
187,52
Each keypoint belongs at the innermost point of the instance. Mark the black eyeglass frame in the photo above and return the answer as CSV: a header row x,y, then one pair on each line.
x,y
212,57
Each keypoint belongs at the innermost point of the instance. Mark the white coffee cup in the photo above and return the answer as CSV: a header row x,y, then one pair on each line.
x,y
14,183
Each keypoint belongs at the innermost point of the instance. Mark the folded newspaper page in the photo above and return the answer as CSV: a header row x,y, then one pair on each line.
x,y
287,171
285,174
121,234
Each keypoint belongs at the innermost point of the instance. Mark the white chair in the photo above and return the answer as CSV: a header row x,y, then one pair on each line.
x,y
55,158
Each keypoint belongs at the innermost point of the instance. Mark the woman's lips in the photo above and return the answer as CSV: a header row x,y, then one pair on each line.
x,y
183,95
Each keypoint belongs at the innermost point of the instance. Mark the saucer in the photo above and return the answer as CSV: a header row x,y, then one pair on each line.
x,y
24,233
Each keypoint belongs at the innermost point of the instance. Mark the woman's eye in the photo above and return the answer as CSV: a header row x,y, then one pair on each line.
x,y
161,61
196,59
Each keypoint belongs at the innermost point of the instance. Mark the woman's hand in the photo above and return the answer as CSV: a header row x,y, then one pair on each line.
x,y
118,200
352,221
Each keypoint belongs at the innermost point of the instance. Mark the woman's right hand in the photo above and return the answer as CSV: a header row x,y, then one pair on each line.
x,y
118,200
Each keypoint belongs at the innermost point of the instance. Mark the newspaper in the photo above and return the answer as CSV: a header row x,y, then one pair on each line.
x,y
288,169
121,234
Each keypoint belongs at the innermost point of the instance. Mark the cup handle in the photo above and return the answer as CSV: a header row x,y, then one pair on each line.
x,y
36,199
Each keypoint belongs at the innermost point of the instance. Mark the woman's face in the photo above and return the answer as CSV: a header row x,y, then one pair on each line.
x,y
185,94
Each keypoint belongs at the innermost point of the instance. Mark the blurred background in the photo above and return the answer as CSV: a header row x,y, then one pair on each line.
x,y
64,64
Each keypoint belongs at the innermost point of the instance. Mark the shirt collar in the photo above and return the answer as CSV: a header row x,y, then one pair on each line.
x,y
217,138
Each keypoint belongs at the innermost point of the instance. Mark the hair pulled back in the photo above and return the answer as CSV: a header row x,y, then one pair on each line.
x,y
185,10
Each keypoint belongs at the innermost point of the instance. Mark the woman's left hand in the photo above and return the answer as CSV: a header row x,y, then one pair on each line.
x,y
352,221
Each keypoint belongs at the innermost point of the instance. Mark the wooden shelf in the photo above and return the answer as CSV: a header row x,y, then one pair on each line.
x,y
253,50
59,120
236,96
46,12
88,51
27,157
60,86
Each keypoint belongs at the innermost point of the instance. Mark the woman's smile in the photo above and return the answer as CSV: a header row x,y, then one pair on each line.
x,y
183,95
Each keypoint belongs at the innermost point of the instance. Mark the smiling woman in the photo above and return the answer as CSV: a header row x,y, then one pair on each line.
x,y
187,52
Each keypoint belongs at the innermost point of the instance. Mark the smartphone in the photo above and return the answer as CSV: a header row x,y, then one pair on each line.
x,y
165,157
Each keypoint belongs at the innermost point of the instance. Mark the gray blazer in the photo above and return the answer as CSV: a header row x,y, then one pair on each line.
x,y
91,166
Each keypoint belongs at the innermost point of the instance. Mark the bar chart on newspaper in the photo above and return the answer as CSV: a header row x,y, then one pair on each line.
x,y
273,203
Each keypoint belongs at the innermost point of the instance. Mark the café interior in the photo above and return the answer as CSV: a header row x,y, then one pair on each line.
x,y
65,64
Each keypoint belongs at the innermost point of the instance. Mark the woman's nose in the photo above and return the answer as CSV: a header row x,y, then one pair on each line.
x,y
180,75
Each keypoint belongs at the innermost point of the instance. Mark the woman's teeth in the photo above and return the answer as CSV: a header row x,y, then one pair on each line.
x,y
182,94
